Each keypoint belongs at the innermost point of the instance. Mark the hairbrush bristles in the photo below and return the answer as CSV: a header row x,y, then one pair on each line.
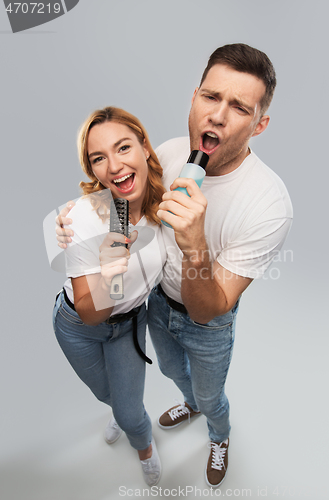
x,y
119,216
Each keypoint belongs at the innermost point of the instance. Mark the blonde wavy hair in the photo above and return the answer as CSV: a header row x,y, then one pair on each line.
x,y
154,188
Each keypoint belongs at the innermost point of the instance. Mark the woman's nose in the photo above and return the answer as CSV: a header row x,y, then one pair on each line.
x,y
114,165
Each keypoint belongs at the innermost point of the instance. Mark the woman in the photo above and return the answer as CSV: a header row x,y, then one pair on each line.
x,y
94,331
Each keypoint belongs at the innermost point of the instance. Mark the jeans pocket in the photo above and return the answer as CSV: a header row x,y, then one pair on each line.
x,y
71,318
211,326
217,323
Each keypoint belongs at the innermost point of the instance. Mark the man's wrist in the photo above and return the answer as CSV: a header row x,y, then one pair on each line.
x,y
197,258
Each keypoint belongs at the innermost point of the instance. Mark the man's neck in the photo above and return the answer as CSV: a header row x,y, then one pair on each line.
x,y
228,167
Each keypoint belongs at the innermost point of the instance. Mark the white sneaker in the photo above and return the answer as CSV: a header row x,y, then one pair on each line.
x,y
112,431
152,467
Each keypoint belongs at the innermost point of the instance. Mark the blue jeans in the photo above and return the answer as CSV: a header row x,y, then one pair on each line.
x,y
196,357
105,359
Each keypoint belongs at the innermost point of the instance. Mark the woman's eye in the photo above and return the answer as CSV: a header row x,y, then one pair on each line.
x,y
96,160
124,148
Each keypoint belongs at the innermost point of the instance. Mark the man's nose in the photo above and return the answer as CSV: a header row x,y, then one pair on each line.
x,y
218,115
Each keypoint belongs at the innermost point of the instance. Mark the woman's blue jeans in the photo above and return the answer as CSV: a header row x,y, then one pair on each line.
x,y
105,359
196,357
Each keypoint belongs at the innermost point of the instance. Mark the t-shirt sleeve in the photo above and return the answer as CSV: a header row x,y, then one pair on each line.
x,y
252,253
82,255
81,260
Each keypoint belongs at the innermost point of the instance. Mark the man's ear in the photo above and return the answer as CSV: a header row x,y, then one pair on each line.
x,y
261,125
194,94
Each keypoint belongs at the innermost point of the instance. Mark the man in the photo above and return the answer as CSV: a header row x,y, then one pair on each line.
x,y
224,235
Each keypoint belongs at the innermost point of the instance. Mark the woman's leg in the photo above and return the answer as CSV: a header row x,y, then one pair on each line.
x,y
83,348
105,359
126,375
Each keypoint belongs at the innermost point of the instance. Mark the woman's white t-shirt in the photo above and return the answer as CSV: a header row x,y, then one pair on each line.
x,y
82,255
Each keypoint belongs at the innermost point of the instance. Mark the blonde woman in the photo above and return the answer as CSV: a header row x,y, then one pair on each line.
x,y
96,333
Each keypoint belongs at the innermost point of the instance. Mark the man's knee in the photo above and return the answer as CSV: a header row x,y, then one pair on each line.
x,y
171,370
167,369
212,405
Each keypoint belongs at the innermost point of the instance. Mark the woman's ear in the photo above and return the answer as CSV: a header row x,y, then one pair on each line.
x,y
146,151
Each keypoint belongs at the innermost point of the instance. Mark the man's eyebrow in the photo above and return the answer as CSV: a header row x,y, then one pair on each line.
x,y
208,91
115,145
239,102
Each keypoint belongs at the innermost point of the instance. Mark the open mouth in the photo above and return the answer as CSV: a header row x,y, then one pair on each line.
x,y
125,183
209,142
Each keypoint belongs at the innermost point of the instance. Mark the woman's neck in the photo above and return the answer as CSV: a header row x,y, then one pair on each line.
x,y
135,215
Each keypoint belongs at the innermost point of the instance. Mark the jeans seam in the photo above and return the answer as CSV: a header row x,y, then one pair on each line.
x,y
221,327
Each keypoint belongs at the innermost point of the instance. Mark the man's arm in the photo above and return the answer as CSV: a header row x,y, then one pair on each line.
x,y
208,289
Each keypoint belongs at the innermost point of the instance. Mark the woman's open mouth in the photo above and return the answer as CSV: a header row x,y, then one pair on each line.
x,y
209,142
126,183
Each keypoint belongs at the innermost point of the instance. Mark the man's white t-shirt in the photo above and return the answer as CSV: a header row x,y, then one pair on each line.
x,y
248,216
82,255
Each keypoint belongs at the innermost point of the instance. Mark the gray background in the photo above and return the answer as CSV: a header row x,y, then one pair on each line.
x,y
147,56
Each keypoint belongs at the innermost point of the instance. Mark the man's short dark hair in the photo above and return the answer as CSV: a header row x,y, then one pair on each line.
x,y
246,59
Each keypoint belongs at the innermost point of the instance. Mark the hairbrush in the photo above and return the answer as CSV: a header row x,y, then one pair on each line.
x,y
119,221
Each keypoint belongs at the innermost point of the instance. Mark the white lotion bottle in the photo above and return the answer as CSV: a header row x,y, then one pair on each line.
x,y
193,169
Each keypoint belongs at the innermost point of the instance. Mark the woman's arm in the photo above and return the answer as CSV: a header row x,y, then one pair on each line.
x,y
92,292
92,299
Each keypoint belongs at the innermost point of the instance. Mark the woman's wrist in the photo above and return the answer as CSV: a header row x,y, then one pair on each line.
x,y
105,286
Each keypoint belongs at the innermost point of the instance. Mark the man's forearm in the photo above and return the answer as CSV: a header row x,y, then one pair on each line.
x,y
202,295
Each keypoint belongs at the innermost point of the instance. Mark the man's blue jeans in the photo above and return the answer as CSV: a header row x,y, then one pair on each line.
x,y
196,357
105,359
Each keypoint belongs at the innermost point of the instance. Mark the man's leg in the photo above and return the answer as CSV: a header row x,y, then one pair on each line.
x,y
209,348
164,324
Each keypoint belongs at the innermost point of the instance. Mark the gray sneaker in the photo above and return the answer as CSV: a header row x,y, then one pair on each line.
x,y
152,467
112,431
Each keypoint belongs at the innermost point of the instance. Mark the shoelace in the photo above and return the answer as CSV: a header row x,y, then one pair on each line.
x,y
179,411
218,455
